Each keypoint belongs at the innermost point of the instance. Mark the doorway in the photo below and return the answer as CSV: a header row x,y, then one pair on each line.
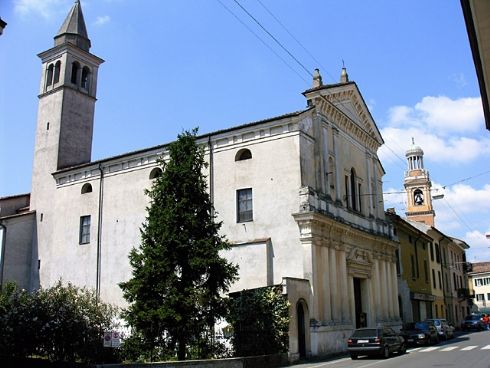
x,y
360,315
301,330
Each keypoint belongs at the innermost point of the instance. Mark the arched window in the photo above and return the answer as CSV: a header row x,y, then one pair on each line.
x,y
57,69
75,67
85,77
49,76
155,173
353,189
86,188
243,154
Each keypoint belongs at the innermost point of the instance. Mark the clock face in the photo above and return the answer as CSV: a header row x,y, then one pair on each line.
x,y
418,197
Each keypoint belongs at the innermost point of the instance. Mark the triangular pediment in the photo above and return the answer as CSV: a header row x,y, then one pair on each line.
x,y
344,105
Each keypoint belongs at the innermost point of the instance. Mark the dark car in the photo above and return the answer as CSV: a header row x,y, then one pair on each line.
x,y
375,341
473,322
419,333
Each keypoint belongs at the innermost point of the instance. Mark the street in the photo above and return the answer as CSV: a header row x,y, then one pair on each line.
x,y
465,350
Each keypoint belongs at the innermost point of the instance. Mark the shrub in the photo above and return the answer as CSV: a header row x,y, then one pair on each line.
x,y
62,323
260,321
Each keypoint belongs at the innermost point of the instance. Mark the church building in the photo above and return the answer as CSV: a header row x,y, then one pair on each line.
x,y
300,197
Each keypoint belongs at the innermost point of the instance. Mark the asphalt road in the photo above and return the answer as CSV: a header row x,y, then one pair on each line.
x,y
466,350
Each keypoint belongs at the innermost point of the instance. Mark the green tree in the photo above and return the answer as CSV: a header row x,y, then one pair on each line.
x,y
178,277
61,323
260,321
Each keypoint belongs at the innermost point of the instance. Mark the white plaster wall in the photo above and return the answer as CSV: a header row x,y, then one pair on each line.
x,y
17,254
253,262
124,213
273,173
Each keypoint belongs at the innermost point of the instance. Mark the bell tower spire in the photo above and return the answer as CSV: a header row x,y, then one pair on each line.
x,y
417,185
67,97
73,29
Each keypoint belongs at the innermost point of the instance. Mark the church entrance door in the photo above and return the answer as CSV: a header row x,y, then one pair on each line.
x,y
360,314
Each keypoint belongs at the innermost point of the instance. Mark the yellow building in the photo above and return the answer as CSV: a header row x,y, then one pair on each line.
x,y
415,295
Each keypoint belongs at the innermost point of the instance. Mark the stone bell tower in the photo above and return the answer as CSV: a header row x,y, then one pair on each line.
x,y
66,105
417,185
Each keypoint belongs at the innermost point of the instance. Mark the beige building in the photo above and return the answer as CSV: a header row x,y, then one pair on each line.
x,y
479,283
300,197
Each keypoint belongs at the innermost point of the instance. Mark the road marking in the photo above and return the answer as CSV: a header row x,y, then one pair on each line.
x,y
332,362
469,348
414,349
430,349
449,348
486,347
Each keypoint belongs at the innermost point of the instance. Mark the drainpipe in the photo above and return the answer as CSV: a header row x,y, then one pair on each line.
x,y
2,250
211,174
99,234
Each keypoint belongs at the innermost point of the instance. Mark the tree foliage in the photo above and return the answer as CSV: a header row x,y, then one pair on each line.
x,y
260,321
62,323
178,276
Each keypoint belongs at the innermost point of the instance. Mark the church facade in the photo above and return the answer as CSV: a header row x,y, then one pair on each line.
x,y
300,197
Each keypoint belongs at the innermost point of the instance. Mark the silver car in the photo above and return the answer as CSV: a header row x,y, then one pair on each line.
x,y
444,329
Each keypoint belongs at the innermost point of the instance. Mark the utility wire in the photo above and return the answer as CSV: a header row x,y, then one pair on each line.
x,y
261,40
297,41
456,214
292,36
466,179
275,39
311,75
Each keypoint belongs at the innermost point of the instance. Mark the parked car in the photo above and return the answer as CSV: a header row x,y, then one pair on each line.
x,y
444,329
473,322
375,341
419,333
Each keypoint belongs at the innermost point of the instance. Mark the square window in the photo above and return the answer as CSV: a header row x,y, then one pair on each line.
x,y
84,230
244,205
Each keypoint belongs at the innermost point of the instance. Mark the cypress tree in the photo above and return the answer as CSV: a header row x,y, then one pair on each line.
x,y
175,294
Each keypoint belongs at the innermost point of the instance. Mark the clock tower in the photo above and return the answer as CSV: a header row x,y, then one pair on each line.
x,y
417,186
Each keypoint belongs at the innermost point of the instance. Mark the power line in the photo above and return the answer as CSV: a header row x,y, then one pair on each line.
x,y
309,73
456,214
466,179
289,33
261,40
275,39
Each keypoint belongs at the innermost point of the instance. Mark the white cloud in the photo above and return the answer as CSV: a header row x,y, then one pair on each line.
x,y
442,126
440,114
101,20
463,208
445,114
44,8
453,150
479,246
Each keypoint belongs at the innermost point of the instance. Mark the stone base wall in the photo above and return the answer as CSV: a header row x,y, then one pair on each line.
x,y
329,340
263,361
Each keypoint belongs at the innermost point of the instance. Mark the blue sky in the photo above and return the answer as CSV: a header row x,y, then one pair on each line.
x,y
175,64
